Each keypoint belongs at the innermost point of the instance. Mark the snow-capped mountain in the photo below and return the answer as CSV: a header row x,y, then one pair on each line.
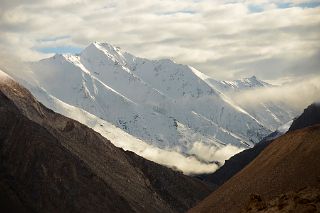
x,y
167,105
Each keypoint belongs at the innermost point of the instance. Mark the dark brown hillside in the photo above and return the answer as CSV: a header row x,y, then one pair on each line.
x,y
290,163
50,163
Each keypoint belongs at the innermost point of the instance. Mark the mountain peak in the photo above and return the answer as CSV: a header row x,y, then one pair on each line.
x,y
60,57
253,77
253,80
104,45
100,51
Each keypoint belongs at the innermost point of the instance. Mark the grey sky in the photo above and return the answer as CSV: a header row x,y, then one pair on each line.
x,y
224,39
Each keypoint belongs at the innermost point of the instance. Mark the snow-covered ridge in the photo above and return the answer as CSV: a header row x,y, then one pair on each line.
x,y
169,106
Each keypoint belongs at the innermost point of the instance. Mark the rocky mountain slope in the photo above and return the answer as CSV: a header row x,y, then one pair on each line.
x,y
289,163
50,163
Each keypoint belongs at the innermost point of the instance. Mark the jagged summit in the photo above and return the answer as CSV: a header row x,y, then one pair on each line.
x,y
106,54
103,45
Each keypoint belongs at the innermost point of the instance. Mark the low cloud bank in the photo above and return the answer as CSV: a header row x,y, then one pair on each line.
x,y
175,160
297,94
209,153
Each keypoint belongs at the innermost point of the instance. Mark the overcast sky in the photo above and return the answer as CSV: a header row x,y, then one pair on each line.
x,y
274,40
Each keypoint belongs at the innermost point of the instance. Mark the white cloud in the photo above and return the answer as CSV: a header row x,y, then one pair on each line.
x,y
297,94
224,39
189,165
212,153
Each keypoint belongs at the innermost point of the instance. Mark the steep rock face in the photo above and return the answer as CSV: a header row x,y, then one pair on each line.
x,y
289,163
310,116
52,163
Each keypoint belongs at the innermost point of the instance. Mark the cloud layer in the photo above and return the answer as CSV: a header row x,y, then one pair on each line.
x,y
298,94
225,39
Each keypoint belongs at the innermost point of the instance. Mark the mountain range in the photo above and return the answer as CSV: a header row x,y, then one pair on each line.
x,y
152,107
